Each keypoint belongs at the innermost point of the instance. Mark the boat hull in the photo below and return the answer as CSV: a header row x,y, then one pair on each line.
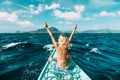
x,y
74,72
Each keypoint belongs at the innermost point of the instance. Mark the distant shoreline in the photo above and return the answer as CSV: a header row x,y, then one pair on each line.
x,y
55,30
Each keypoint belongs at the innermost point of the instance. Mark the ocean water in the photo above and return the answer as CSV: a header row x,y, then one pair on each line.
x,y
23,56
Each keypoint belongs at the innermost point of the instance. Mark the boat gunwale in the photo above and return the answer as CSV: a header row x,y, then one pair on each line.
x,y
48,62
46,65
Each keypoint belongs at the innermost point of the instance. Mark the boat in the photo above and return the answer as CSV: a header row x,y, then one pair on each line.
x,y
73,73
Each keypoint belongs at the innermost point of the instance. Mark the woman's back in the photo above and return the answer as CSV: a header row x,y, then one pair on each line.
x,y
62,58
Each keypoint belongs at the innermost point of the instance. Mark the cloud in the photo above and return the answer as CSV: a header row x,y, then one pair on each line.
x,y
14,4
20,12
66,22
87,19
25,23
41,7
8,17
98,3
79,8
4,16
61,22
71,15
36,11
96,27
105,13
21,6
7,3
23,13
118,13
53,6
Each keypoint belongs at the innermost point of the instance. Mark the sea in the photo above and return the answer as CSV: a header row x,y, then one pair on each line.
x,y
23,55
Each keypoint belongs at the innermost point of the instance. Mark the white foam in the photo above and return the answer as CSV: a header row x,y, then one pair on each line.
x,y
87,45
49,47
11,45
71,45
95,50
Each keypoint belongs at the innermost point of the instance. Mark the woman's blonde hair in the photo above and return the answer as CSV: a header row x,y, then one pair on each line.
x,y
64,41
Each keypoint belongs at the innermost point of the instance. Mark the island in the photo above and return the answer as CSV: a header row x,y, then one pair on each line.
x,y
43,30
55,30
101,31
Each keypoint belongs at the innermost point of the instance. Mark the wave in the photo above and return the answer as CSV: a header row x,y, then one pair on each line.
x,y
10,68
49,47
87,45
2,57
95,50
26,54
12,45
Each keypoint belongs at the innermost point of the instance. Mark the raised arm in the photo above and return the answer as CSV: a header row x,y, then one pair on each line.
x,y
50,33
70,38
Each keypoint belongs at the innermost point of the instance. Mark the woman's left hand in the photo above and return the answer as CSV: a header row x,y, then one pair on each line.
x,y
45,25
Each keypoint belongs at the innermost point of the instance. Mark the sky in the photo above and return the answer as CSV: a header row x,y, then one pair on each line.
x,y
28,15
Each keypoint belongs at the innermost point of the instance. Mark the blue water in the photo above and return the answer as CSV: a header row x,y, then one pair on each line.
x,y
23,56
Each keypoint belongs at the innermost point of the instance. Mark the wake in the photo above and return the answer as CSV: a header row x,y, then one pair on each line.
x,y
12,45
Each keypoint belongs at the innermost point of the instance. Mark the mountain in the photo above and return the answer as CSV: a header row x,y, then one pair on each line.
x,y
102,31
43,30
55,30
18,31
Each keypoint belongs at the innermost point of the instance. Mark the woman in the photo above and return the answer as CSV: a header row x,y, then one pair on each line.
x,y
61,47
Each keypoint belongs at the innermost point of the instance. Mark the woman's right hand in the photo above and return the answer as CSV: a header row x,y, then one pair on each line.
x,y
75,27
45,25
